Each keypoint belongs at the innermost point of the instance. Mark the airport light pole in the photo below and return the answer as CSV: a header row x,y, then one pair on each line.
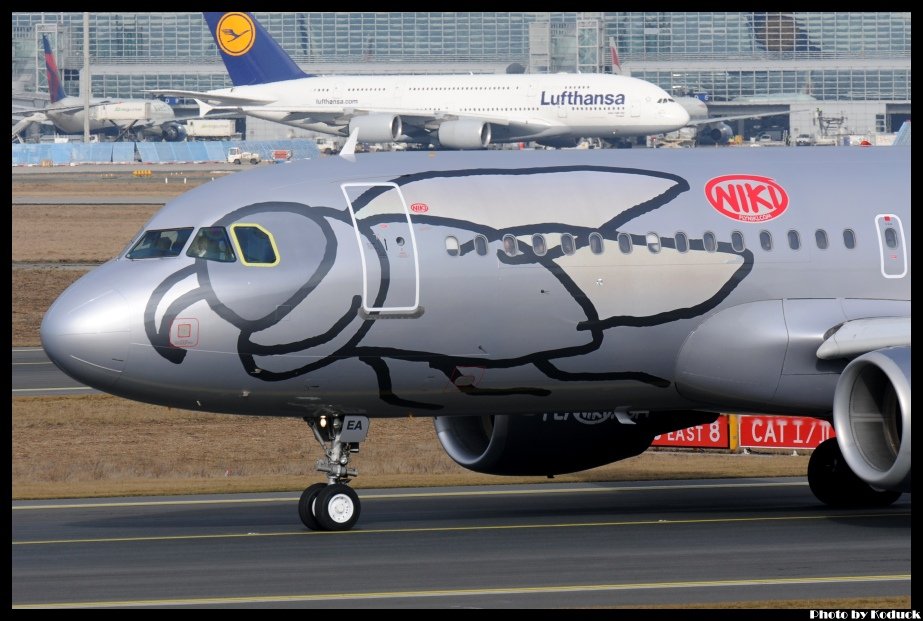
x,y
86,77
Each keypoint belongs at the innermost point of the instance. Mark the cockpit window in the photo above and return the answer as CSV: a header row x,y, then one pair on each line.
x,y
255,245
211,243
156,244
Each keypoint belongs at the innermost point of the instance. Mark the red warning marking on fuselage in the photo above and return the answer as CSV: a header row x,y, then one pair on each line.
x,y
184,332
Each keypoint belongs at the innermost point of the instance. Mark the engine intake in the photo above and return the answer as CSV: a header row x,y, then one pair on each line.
x,y
548,444
720,133
377,127
871,415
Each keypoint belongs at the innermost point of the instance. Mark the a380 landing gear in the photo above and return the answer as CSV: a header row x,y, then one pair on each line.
x,y
334,505
834,483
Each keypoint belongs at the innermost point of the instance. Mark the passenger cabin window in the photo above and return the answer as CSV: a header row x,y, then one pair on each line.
x,y
538,245
451,246
510,245
255,245
568,245
737,241
480,245
794,240
596,243
653,242
849,238
625,243
820,237
157,244
682,242
711,244
766,240
212,244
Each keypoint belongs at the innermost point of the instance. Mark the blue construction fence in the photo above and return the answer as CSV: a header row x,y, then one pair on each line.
x,y
65,154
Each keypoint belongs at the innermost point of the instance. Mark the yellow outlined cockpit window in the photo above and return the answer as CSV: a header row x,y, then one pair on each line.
x,y
255,245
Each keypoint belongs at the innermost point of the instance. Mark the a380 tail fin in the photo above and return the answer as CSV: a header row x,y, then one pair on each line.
x,y
249,53
55,88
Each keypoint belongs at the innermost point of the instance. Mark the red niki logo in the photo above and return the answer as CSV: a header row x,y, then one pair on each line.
x,y
419,208
748,198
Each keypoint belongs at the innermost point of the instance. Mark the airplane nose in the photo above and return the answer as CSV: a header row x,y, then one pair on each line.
x,y
682,115
85,334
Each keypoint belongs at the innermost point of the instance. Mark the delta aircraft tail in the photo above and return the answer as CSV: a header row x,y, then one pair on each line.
x,y
55,88
249,53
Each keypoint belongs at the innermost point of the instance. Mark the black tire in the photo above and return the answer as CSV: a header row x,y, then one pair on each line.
x,y
237,162
337,507
254,160
306,508
834,483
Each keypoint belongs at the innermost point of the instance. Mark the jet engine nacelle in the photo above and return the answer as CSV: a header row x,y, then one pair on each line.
x,y
871,415
377,127
173,132
716,133
556,443
465,134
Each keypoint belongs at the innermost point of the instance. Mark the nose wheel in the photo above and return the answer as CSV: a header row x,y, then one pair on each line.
x,y
334,505
306,506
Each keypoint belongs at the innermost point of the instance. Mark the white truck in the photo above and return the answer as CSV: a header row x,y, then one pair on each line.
x,y
238,156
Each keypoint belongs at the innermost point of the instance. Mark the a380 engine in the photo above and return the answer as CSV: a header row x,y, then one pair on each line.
x,y
377,127
716,133
548,444
871,415
464,134
720,133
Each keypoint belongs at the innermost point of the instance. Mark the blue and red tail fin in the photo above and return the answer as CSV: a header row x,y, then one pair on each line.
x,y
55,88
249,53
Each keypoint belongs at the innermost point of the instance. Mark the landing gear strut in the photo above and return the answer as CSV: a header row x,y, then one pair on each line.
x,y
334,505
834,483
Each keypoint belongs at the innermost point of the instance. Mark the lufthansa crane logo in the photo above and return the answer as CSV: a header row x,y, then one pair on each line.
x,y
235,33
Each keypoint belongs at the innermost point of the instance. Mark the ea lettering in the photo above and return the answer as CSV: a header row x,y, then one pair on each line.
x,y
576,98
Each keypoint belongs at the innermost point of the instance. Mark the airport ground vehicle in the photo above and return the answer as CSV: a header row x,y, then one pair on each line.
x,y
237,156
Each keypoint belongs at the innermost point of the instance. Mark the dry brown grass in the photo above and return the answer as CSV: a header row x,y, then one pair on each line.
x,y
75,233
33,292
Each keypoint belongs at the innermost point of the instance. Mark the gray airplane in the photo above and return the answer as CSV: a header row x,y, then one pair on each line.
x,y
553,311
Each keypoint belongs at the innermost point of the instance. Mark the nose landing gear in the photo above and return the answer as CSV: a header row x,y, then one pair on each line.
x,y
334,505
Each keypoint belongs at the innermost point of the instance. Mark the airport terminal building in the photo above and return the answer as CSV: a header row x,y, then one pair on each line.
x,y
838,72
